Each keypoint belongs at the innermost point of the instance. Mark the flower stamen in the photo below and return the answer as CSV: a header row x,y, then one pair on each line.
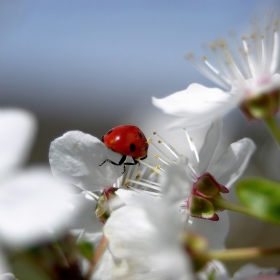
x,y
275,52
154,169
208,72
149,185
167,145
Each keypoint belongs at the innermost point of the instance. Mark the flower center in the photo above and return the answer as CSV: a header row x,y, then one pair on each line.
x,y
261,106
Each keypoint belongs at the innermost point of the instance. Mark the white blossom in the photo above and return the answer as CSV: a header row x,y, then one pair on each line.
x,y
251,70
226,170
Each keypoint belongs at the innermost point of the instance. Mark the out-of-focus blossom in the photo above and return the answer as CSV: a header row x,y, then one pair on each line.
x,y
247,272
253,272
144,237
7,276
17,131
249,76
33,206
4,269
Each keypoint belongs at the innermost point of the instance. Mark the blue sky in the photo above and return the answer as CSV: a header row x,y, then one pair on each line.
x,y
103,60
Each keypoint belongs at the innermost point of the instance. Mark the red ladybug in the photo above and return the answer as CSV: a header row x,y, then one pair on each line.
x,y
127,140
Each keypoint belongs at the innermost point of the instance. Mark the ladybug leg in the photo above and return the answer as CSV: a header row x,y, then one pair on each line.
x,y
135,161
122,160
142,158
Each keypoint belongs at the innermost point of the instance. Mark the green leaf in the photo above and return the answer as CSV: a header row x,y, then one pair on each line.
x,y
86,249
262,197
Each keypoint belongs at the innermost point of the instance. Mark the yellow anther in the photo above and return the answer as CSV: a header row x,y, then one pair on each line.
x,y
204,58
221,43
158,166
156,156
154,132
159,141
126,183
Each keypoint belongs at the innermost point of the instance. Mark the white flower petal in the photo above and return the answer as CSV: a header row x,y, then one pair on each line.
x,y
4,268
232,163
176,184
106,268
211,142
171,264
129,197
214,232
85,218
197,104
75,158
34,207
130,232
7,276
251,270
17,131
146,237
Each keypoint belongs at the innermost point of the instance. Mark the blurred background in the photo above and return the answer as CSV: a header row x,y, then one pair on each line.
x,y
92,65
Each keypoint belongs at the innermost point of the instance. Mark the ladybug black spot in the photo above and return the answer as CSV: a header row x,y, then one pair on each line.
x,y
140,135
132,147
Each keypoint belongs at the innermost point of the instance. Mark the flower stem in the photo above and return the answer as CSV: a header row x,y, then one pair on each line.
x,y
243,253
224,204
98,254
273,128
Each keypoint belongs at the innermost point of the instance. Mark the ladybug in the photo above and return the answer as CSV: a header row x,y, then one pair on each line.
x,y
127,140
